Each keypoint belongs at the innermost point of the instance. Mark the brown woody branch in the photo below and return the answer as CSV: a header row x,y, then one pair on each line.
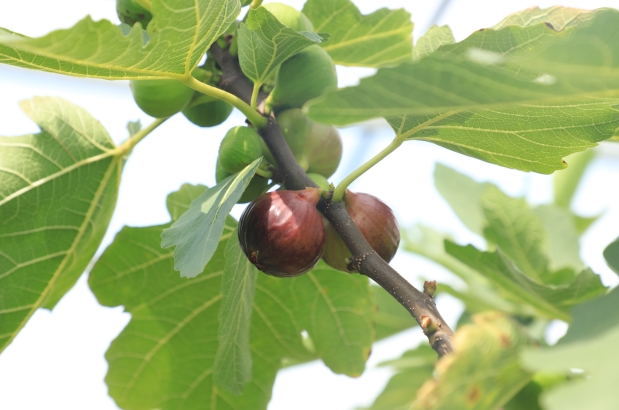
x,y
421,305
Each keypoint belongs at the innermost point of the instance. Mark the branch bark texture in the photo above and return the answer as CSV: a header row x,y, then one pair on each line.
x,y
420,305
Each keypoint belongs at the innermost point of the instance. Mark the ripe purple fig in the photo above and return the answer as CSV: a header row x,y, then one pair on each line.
x,y
282,232
377,224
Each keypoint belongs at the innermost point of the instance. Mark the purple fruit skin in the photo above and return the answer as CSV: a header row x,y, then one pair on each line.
x,y
377,224
282,232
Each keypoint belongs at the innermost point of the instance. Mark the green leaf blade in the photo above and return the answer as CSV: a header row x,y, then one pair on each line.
x,y
165,357
337,311
514,227
383,38
232,367
548,300
432,40
589,345
264,43
59,189
181,31
611,254
196,233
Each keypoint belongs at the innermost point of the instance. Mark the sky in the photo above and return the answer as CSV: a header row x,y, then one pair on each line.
x,y
57,362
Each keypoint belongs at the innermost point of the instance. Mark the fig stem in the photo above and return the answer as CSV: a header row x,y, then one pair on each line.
x,y
255,4
340,190
254,94
264,173
146,4
140,135
252,115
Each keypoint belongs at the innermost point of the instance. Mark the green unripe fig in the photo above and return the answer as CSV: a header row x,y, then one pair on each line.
x,y
306,75
209,113
317,147
161,98
221,173
240,147
319,180
257,186
289,16
130,12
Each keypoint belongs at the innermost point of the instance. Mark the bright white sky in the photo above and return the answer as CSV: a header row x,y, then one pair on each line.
x,y
57,361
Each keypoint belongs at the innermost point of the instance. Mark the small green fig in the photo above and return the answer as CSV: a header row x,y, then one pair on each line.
x,y
306,75
282,232
257,185
240,147
130,12
319,180
161,98
209,113
289,16
317,147
377,224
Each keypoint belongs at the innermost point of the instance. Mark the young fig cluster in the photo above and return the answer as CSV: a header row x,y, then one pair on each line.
x,y
281,231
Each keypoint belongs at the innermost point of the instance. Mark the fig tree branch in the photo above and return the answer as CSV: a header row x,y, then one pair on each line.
x,y
420,305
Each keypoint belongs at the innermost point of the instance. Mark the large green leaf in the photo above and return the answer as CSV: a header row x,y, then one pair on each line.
x,y
383,38
461,76
178,36
514,227
560,18
461,97
463,194
232,368
483,372
196,233
58,190
552,301
391,316
563,237
585,58
591,346
264,43
501,136
435,37
611,254
480,294
337,311
165,357
414,368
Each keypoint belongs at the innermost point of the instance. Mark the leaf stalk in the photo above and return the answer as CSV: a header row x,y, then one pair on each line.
x,y
340,190
140,135
252,115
